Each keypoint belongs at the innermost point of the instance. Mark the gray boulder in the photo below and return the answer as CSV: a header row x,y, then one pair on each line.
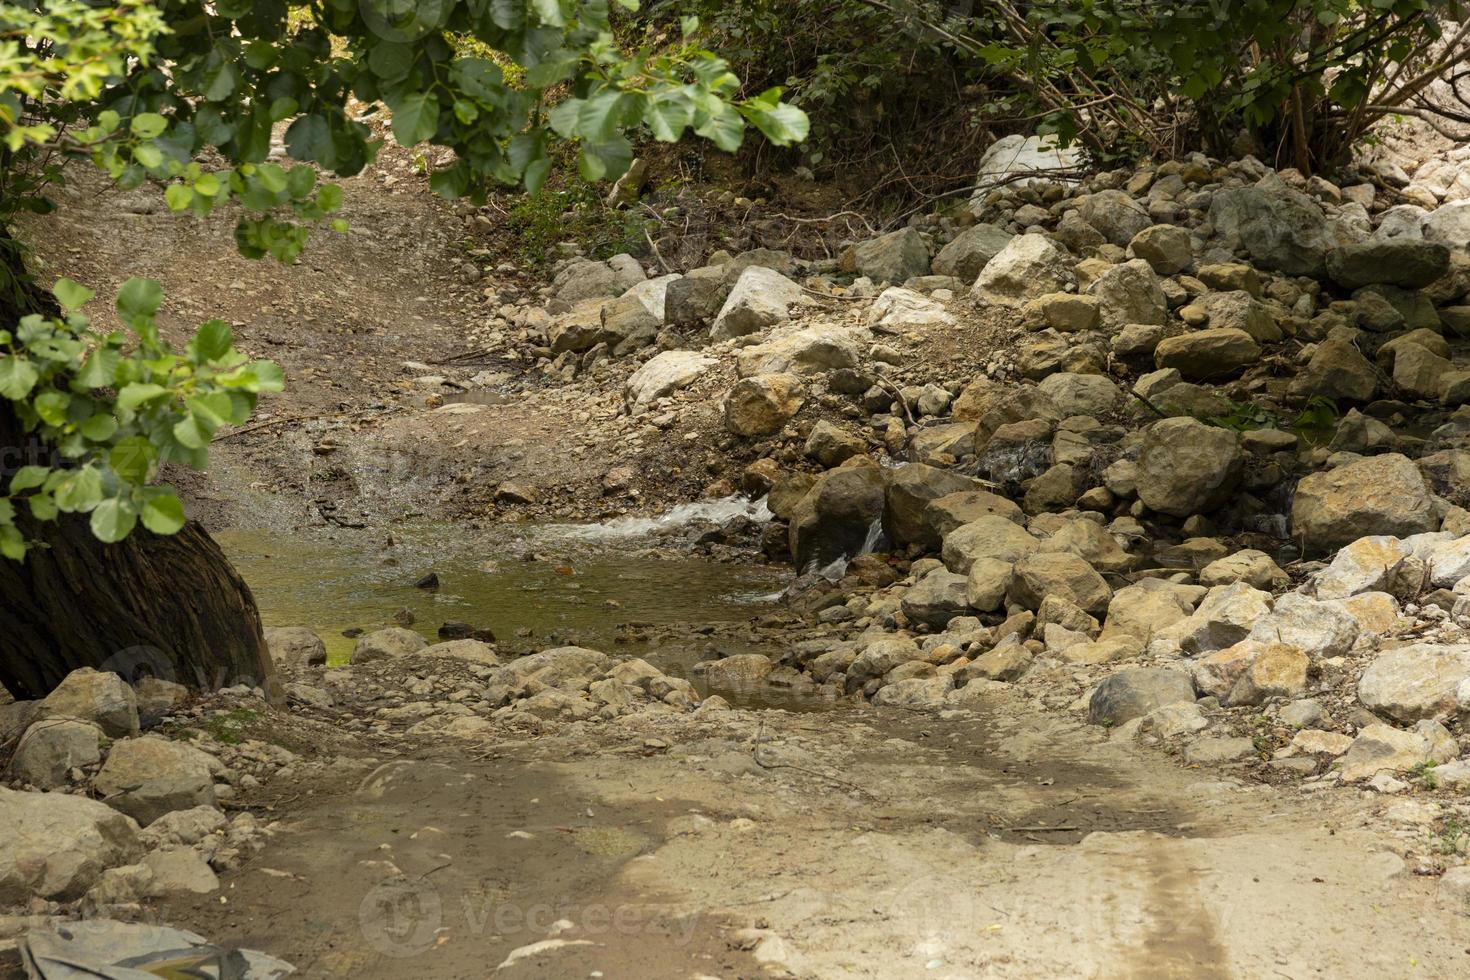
x,y
55,846
1212,353
104,699
837,515
53,747
1389,261
911,489
1129,293
294,647
1116,215
760,298
1030,266
893,258
1415,682
1280,228
1376,495
1186,467
387,644
936,598
967,255
149,776
1134,693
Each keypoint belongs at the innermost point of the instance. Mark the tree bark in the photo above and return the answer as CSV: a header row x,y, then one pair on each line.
x,y
170,607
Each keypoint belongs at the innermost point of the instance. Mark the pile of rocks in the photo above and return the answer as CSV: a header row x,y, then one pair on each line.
x,y
104,815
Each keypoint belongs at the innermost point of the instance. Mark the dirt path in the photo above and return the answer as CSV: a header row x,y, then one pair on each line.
x,y
870,844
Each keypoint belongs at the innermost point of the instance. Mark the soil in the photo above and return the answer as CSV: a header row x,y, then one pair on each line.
x,y
854,842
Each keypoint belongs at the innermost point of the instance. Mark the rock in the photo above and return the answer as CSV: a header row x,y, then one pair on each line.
x,y
1204,354
811,350
585,279
911,489
696,297
1225,617
1376,495
1374,612
971,249
1061,574
1382,748
957,509
665,374
472,651
880,656
1116,215
1145,609
1186,467
1454,889
178,870
1167,248
936,598
1028,267
763,404
1419,372
835,517
1391,261
1217,749
56,846
1065,312
1173,720
833,445
893,258
576,329
53,747
1129,293
104,699
1022,161
1255,568
988,537
1449,225
760,298
1427,339
1136,692
1371,564
1216,674
987,584
1278,671
1337,371
149,776
1282,229
1317,742
745,668
387,644
897,308
1415,682
186,827
566,668
1321,629
915,691
1449,563
1239,310
295,647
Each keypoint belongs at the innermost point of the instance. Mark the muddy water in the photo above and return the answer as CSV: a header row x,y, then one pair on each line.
x,y
580,585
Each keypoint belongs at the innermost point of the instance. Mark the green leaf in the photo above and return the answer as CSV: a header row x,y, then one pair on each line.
x,y
132,459
17,377
219,76
310,138
668,115
28,478
71,295
550,12
133,395
113,519
163,513
147,125
51,407
724,128
415,118
80,491
178,197
138,301
783,124
214,340
597,122
12,543
148,155
192,432
99,428
99,370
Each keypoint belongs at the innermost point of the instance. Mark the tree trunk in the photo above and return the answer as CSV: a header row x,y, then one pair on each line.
x,y
170,607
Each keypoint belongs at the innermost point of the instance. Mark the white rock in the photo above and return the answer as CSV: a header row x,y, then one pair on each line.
x,y
665,374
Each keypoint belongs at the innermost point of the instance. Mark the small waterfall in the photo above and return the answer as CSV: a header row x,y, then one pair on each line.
x,y
625,528
873,542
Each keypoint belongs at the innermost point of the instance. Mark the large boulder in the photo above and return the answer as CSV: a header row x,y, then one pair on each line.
x,y
1385,749
1224,618
1030,266
1021,161
1280,228
911,489
1145,609
1376,495
1083,394
665,374
295,647
971,250
696,297
102,698
1415,682
1388,261
1134,693
1322,629
1061,574
1378,563
473,651
992,536
837,516
893,258
760,298
1186,467
1449,224
387,644
56,846
53,747
936,598
1167,248
763,404
586,279
947,513
149,776
1213,353
810,350
567,668
1116,215
1237,309
1129,293
1338,371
